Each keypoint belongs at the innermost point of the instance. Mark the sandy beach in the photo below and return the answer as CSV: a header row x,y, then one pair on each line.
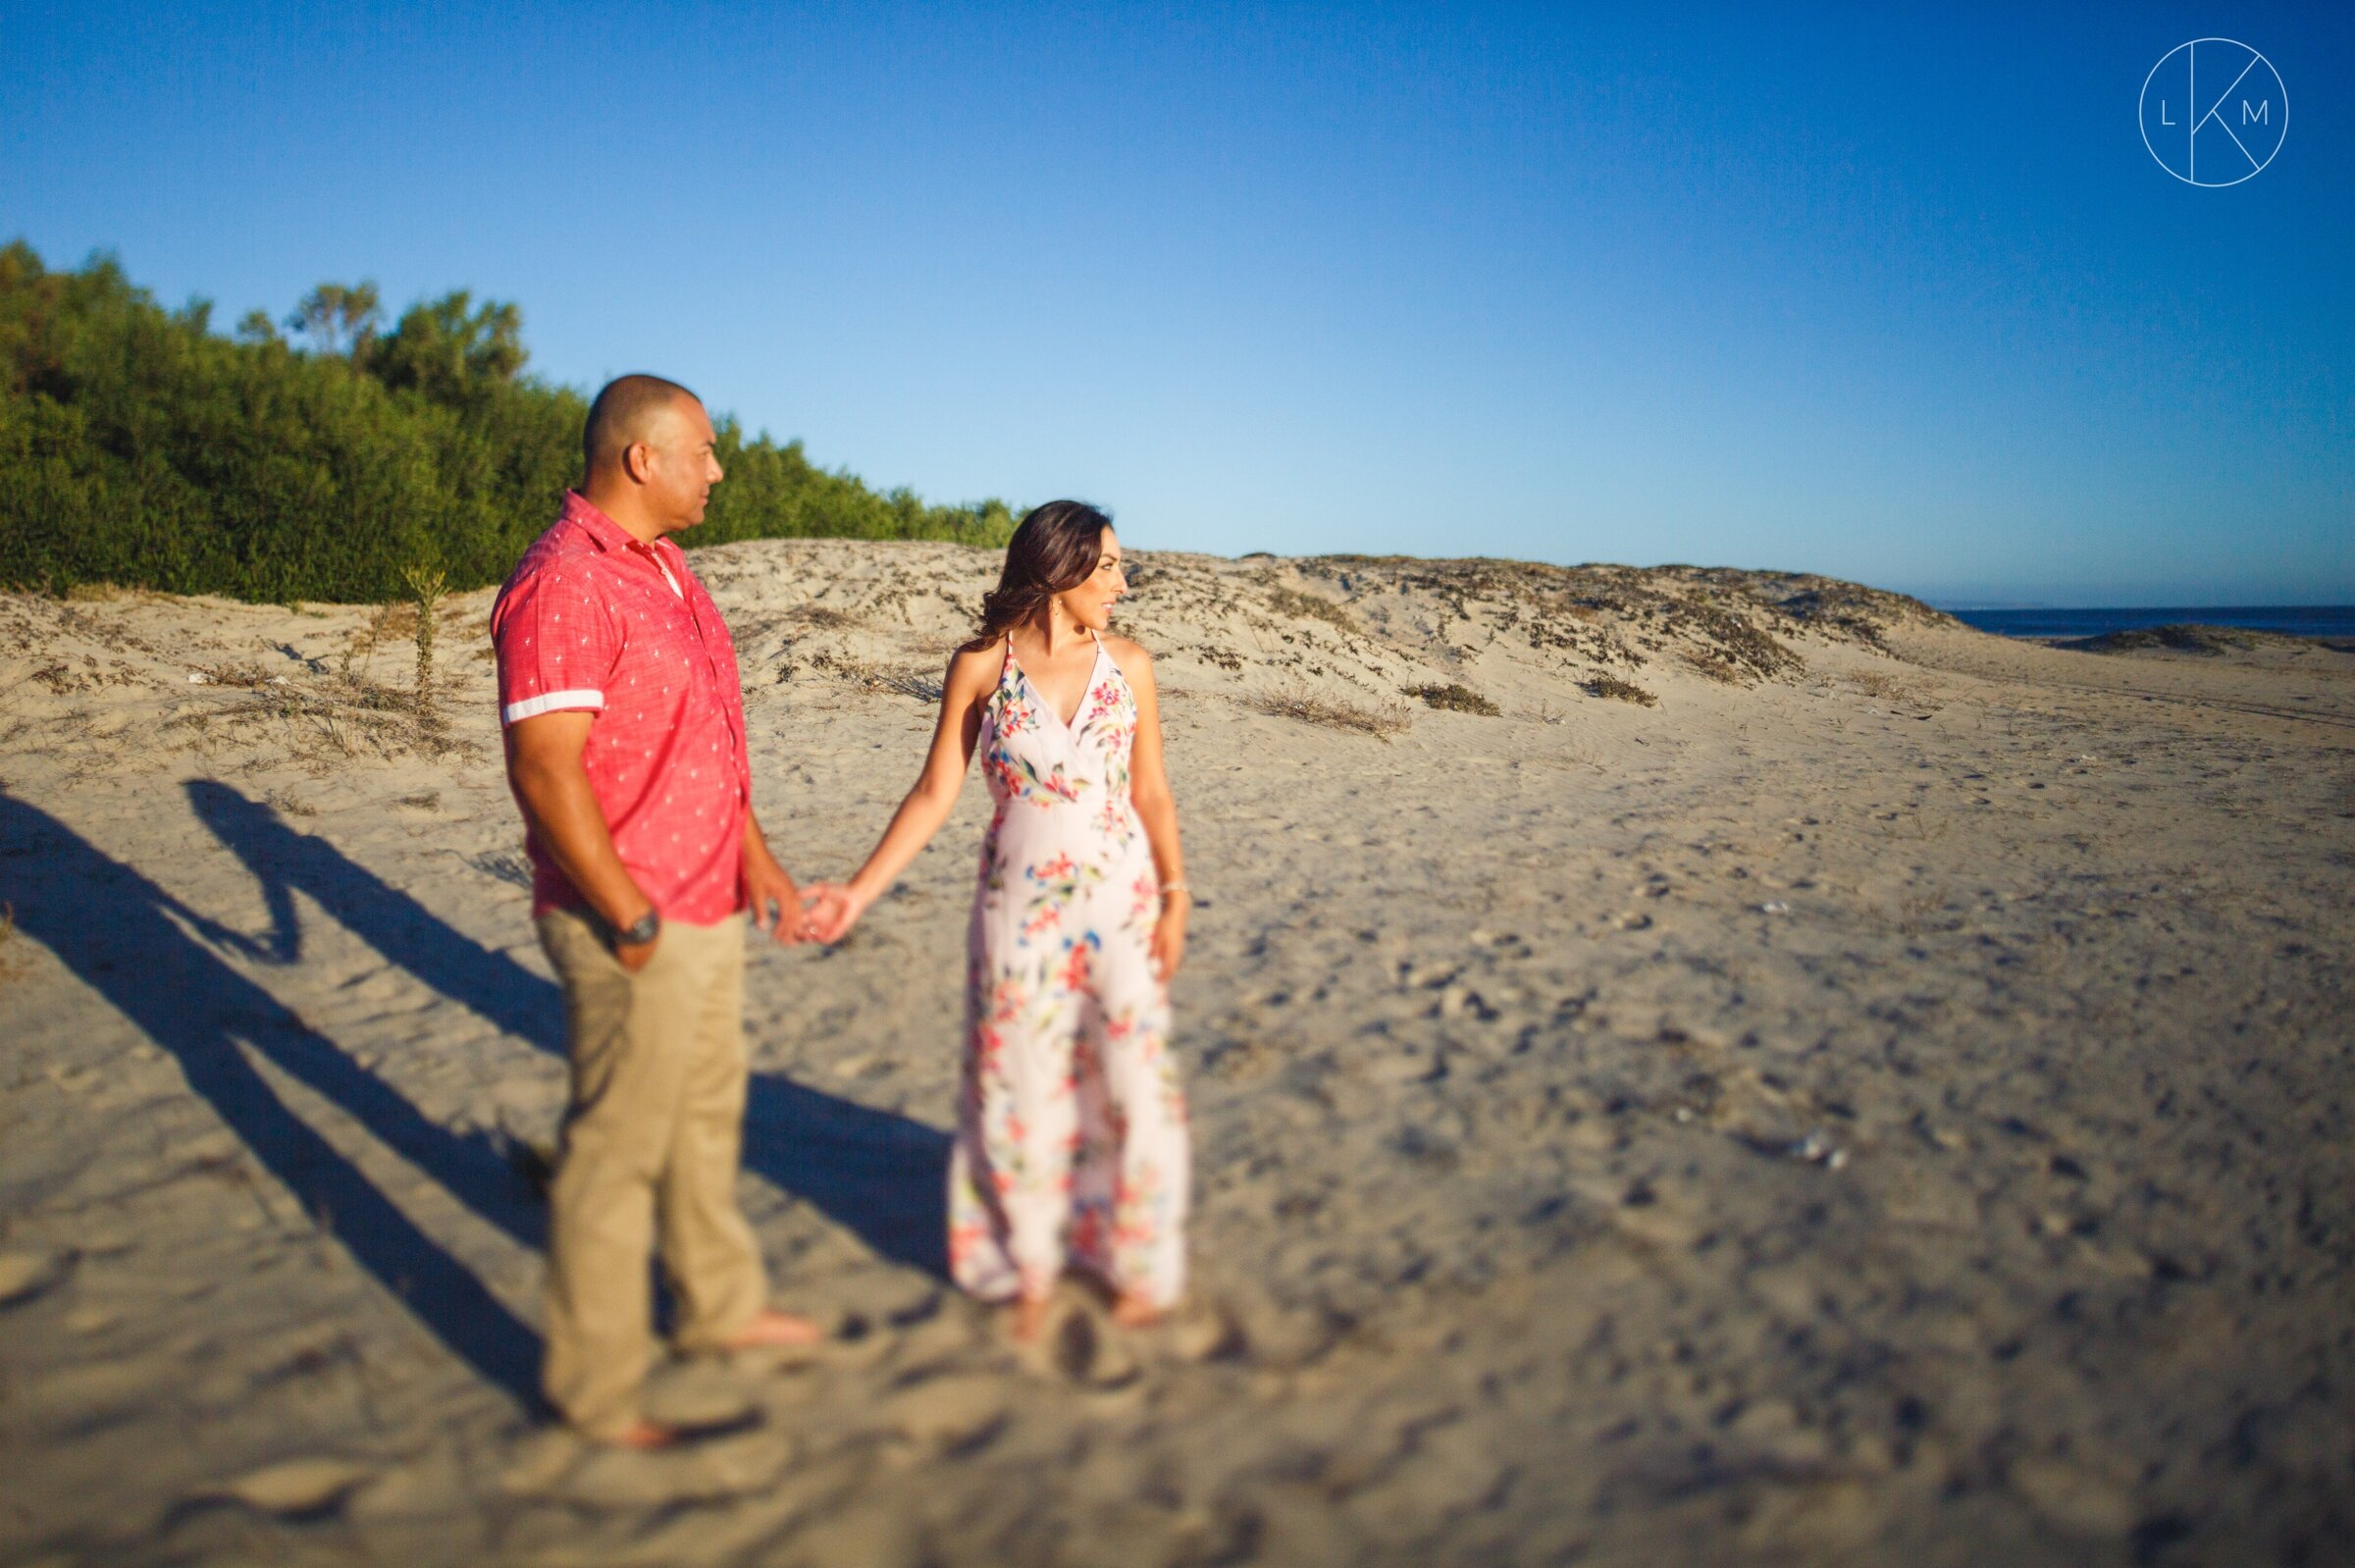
x,y
1866,1092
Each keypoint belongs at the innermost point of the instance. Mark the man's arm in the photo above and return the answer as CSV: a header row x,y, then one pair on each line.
x,y
543,765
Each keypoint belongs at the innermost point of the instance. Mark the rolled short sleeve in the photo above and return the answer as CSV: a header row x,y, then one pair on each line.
x,y
556,644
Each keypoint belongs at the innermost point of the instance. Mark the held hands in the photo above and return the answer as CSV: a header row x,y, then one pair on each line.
x,y
834,908
778,906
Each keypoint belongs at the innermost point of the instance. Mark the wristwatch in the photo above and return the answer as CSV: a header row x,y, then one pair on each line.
x,y
639,932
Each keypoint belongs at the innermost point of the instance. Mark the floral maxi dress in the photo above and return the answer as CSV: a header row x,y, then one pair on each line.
x,y
1070,1134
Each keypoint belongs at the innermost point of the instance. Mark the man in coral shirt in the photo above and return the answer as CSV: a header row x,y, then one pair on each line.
x,y
625,743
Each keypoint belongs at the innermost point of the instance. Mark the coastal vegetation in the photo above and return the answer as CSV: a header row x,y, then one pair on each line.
x,y
328,456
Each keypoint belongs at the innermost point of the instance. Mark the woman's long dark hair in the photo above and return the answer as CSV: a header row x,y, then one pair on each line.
x,y
1056,548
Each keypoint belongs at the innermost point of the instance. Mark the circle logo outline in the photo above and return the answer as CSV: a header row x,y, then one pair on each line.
x,y
2142,119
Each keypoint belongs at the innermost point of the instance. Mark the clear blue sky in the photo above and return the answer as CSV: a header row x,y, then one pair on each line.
x,y
1902,300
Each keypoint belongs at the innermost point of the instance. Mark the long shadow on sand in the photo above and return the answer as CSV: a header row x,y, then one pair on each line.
x,y
882,1177
128,940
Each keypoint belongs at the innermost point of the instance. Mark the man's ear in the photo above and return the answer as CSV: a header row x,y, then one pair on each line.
x,y
638,460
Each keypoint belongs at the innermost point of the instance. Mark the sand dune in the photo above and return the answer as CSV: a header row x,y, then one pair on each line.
x,y
1885,1098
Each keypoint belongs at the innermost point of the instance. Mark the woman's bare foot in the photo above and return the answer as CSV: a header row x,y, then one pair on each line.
x,y
771,1330
1133,1311
644,1437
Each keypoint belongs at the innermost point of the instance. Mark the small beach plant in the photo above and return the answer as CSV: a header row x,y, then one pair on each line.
x,y
426,585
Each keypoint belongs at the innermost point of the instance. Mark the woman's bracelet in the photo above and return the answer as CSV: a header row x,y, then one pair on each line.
x,y
1168,888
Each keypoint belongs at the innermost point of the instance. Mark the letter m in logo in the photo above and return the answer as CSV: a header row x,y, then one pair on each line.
x,y
2256,116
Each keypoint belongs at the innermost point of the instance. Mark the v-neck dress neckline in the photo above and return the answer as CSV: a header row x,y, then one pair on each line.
x,y
1086,690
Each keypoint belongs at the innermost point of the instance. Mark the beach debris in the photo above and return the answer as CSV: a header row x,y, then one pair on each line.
x,y
1817,1149
294,1488
26,1275
1775,907
199,678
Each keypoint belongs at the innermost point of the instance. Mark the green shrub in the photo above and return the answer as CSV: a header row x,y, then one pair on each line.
x,y
139,448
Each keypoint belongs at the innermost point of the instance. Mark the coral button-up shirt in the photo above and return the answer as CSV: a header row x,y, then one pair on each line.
x,y
593,619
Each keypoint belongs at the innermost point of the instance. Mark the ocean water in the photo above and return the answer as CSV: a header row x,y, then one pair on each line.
x,y
2292,620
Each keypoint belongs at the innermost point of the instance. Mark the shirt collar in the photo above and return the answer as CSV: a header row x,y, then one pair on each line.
x,y
591,520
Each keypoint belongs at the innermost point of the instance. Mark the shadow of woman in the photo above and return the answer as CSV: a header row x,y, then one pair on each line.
x,y
884,1177
123,937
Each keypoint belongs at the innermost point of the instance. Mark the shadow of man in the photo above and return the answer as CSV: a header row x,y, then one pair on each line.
x,y
884,1177
123,936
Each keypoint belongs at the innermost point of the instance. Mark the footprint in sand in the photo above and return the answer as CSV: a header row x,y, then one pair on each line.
x,y
1083,1348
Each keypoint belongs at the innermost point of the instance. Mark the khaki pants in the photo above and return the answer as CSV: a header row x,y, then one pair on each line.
x,y
651,1141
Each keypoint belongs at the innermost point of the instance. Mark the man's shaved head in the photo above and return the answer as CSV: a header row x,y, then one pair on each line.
x,y
624,414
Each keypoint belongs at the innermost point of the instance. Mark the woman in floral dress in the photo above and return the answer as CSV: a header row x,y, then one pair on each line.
x,y
1071,1142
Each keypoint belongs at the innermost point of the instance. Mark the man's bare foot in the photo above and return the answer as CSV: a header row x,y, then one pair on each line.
x,y
1134,1311
644,1437
1030,1317
771,1330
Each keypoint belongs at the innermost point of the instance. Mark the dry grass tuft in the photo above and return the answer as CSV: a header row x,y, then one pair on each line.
x,y
323,723
1717,665
825,617
1917,912
919,684
287,803
1292,602
1455,697
1336,713
244,677
1625,691
393,620
1881,684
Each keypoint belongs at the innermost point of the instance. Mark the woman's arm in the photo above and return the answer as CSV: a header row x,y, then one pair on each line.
x,y
1149,790
836,909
